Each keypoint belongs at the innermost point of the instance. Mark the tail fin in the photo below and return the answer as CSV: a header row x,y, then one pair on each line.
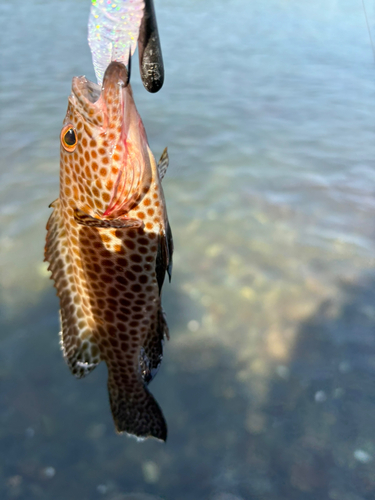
x,y
137,412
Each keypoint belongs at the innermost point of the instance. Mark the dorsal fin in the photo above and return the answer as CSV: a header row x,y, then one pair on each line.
x,y
163,164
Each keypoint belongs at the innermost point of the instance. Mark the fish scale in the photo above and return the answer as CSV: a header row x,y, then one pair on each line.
x,y
109,269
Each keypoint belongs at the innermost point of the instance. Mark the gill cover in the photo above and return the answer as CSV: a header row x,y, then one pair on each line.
x,y
128,142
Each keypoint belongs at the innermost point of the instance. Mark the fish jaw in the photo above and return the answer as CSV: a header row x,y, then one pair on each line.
x,y
111,164
86,101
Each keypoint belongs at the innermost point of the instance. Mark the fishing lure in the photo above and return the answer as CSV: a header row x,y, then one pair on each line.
x,y
113,31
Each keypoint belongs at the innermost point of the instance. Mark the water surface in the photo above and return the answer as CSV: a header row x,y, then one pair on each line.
x,y
268,381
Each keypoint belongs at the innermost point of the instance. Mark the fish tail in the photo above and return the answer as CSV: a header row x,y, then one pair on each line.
x,y
135,410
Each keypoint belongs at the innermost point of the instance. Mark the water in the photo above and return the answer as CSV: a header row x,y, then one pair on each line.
x,y
268,381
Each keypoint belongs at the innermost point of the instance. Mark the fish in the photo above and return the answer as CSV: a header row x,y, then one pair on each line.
x,y
109,247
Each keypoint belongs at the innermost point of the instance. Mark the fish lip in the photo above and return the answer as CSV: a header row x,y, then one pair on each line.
x,y
90,94
116,73
87,101
85,90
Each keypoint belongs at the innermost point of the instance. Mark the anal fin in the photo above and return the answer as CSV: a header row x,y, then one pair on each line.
x,y
170,247
151,353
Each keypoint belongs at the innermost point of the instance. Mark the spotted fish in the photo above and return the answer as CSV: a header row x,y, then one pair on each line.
x,y
109,246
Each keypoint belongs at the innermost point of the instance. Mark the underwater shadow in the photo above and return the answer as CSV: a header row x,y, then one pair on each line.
x,y
313,438
57,437
321,407
55,425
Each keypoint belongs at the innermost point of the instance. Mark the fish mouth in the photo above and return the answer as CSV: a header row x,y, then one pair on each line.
x,y
104,105
115,74
90,90
86,98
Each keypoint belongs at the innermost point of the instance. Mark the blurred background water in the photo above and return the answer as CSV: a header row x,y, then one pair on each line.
x,y
268,381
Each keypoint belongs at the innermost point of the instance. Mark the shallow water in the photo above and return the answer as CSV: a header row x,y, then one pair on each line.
x,y
268,381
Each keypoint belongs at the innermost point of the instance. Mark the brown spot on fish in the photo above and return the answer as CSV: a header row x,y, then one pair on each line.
x,y
130,244
136,258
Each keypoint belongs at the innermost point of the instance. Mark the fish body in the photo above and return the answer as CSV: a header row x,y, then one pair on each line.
x,y
109,245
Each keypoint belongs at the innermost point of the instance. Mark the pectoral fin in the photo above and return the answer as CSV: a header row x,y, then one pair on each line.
x,y
86,220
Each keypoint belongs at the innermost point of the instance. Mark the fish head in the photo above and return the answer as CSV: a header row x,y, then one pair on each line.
x,y
105,158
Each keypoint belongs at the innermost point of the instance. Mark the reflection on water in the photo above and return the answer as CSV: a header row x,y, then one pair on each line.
x,y
268,380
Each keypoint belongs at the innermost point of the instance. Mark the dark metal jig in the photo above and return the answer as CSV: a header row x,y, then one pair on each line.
x,y
151,65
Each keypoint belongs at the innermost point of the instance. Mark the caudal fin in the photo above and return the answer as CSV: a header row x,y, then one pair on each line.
x,y
137,412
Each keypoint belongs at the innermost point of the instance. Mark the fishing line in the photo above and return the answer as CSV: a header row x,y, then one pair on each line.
x,y
368,29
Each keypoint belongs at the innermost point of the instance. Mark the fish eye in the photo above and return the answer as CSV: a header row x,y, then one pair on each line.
x,y
69,138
